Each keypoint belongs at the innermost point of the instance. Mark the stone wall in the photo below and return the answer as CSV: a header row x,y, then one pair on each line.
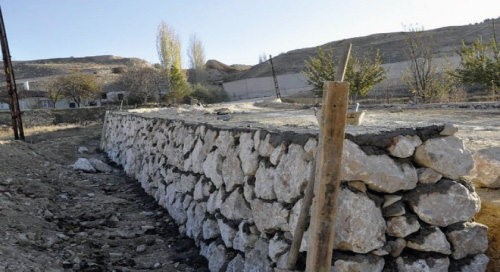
x,y
237,192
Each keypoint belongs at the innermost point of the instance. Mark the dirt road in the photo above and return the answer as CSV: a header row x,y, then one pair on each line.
x,y
57,219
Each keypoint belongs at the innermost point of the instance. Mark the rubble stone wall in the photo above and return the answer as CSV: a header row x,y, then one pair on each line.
x,y
237,192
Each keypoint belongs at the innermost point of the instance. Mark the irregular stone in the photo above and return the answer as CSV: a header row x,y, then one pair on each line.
x,y
197,157
269,216
402,226
265,148
83,150
409,264
227,233
477,263
248,192
277,154
140,248
449,129
379,172
310,148
291,174
212,167
430,239
396,209
214,202
201,190
235,207
195,217
188,142
397,247
237,264
277,247
344,263
404,146
428,175
446,155
248,156
186,184
468,238
294,215
232,173
263,182
100,166
217,259
244,239
84,165
444,203
359,185
210,229
486,172
359,226
391,199
224,141
256,257
176,209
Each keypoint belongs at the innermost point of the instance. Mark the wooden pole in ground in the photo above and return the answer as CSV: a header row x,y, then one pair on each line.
x,y
328,174
328,170
309,192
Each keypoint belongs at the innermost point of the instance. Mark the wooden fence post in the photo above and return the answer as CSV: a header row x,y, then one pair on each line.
x,y
328,174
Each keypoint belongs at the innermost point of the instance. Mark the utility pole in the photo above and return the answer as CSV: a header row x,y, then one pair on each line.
x,y
17,123
276,87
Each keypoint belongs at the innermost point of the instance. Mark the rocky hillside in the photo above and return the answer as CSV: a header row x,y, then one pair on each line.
x,y
391,45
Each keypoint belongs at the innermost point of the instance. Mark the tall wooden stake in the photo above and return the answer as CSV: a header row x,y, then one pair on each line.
x,y
309,192
328,174
17,123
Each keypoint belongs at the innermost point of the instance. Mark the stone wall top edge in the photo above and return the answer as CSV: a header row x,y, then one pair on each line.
x,y
379,136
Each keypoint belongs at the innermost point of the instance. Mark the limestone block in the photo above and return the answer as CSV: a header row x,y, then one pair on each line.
x,y
396,247
176,210
214,202
277,154
396,209
235,207
477,263
310,148
256,257
212,167
277,247
391,199
294,215
232,173
468,238
444,203
449,129
196,159
446,155
292,174
210,229
216,256
244,239
227,233
209,140
100,166
265,148
195,217
345,263
428,175
201,189
359,226
248,156
407,264
237,264
402,226
248,192
404,146
379,172
486,172
186,184
270,216
429,239
188,142
84,165
263,182
224,141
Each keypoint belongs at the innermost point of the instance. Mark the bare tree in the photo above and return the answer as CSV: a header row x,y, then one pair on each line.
x,y
53,91
196,55
78,87
422,75
142,82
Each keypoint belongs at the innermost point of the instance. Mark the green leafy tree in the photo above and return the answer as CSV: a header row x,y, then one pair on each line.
x,y
362,74
320,69
79,87
179,87
480,63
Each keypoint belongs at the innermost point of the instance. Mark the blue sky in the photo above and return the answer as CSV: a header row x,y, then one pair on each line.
x,y
232,31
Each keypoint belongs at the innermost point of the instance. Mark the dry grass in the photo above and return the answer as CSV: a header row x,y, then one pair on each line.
x,y
8,134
